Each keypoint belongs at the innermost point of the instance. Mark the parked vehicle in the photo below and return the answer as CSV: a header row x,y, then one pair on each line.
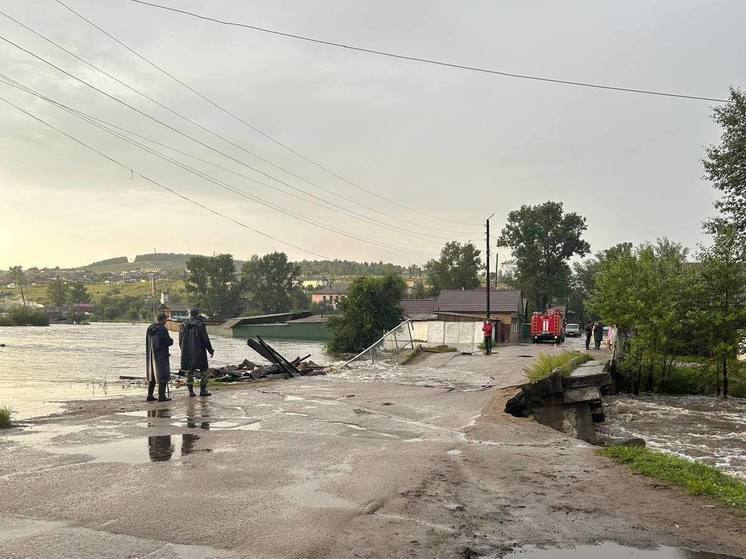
x,y
548,326
572,330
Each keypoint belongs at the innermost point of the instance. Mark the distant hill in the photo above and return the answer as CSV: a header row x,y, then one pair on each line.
x,y
109,262
169,257
176,262
340,268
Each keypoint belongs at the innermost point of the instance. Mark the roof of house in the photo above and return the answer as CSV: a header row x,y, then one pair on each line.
x,y
264,319
310,319
335,289
415,307
475,300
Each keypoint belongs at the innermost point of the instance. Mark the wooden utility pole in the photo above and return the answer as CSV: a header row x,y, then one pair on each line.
x,y
487,267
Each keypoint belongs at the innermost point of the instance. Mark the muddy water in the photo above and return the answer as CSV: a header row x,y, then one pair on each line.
x,y
42,366
697,427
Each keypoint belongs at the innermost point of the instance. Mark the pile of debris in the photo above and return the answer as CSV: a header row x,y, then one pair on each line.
x,y
278,368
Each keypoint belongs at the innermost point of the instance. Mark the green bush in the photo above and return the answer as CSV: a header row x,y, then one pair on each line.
x,y
25,316
546,363
5,417
695,477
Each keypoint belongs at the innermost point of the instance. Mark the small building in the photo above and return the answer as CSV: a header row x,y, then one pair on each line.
x,y
470,305
281,326
175,311
82,308
331,294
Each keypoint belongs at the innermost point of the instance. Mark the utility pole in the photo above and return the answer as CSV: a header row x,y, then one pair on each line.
x,y
487,267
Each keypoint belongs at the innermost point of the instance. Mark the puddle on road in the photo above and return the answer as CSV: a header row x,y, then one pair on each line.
x,y
140,450
610,550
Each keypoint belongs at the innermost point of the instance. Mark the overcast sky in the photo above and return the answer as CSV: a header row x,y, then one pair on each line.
x,y
449,143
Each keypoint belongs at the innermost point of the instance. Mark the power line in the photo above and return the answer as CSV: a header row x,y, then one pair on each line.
x,y
169,127
265,134
215,134
158,184
428,60
226,186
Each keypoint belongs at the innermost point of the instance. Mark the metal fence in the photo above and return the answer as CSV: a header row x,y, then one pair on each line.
x,y
392,342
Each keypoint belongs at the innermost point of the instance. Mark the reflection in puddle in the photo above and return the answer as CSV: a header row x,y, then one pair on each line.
x,y
610,550
155,448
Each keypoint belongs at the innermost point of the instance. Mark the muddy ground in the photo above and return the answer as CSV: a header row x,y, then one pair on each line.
x,y
332,467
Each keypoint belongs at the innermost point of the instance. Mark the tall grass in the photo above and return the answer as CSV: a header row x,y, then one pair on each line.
x,y
546,363
6,414
695,477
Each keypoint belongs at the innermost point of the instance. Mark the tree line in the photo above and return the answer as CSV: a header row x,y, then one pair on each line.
x,y
271,282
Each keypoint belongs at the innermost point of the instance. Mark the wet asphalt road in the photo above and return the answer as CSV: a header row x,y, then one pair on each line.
x,y
423,464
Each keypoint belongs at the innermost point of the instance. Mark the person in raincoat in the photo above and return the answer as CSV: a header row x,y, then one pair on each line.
x,y
598,334
157,366
195,345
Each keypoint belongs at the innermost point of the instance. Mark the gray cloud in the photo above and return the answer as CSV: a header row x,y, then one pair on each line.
x,y
451,143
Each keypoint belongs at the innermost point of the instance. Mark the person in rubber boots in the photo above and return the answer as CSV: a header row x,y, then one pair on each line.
x,y
195,345
157,366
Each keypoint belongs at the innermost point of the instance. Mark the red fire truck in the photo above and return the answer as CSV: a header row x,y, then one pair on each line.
x,y
548,326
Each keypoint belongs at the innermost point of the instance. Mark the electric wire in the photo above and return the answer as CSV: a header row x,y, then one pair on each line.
x,y
265,134
227,186
204,128
127,132
157,183
428,60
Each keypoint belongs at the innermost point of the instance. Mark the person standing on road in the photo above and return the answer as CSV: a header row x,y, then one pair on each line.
x,y
598,334
195,345
588,335
487,330
157,366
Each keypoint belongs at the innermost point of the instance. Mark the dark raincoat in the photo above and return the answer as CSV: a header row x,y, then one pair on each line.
x,y
598,332
194,343
157,342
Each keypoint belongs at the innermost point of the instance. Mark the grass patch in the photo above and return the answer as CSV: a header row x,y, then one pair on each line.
x,y
6,414
695,477
546,363
412,355
439,349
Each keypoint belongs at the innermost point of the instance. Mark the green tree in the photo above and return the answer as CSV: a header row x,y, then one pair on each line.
x,y
17,276
725,166
583,279
543,238
721,315
372,307
78,293
457,268
273,281
57,293
647,292
212,285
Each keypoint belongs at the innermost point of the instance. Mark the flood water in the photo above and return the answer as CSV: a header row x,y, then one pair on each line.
x,y
43,366
610,550
702,428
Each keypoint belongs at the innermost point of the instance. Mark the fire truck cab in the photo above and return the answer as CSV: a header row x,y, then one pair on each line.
x,y
548,326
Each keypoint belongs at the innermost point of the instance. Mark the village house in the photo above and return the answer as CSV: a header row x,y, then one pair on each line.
x,y
175,311
331,294
470,305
